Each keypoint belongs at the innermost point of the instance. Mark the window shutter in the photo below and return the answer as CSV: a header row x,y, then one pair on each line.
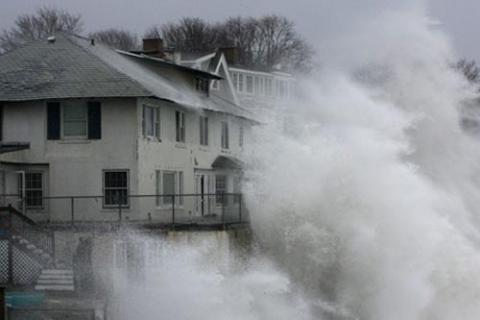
x,y
53,121
144,121
157,122
94,120
205,131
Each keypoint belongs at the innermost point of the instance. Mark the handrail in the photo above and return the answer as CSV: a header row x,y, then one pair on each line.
x,y
29,229
207,208
19,214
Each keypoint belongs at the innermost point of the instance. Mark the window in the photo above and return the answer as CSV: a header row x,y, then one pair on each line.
x,y
282,92
203,131
257,86
115,188
235,80
151,122
224,137
180,126
202,85
268,87
33,189
220,188
74,120
169,183
249,84
240,82
240,136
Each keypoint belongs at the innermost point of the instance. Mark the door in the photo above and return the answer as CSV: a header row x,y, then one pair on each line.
x,y
202,191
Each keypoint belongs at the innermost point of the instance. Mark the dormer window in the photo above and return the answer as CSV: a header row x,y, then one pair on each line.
x,y
202,85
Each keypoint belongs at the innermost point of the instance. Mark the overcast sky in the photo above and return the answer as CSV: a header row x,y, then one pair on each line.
x,y
459,18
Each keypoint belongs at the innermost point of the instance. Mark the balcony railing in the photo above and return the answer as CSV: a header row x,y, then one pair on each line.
x,y
149,210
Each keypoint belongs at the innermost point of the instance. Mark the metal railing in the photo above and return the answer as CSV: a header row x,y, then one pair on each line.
x,y
16,223
169,209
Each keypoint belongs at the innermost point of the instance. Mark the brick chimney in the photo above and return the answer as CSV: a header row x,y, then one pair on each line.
x,y
232,54
153,47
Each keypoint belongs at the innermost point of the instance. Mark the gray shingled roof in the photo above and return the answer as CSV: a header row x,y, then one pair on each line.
x,y
43,70
71,67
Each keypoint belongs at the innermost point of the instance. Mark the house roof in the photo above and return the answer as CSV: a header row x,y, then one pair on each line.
x,y
73,67
13,146
44,70
224,162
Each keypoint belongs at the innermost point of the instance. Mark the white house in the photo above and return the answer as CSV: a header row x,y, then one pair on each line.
x,y
256,89
79,119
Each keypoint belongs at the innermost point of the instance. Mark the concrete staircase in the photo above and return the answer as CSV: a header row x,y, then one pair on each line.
x,y
54,276
55,280
41,255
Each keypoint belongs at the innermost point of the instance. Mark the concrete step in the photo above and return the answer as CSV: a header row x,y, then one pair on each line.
x,y
54,287
57,272
55,277
55,280
46,281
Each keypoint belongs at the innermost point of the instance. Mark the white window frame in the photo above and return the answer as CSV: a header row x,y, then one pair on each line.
x,y
63,105
154,120
180,126
104,188
215,85
23,189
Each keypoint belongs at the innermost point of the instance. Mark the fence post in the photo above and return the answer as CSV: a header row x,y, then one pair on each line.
x,y
52,241
119,209
10,249
173,210
3,307
240,208
72,209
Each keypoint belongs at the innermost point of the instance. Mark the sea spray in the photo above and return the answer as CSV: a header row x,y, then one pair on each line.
x,y
371,205
195,275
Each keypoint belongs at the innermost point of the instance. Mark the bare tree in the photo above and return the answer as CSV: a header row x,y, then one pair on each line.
x,y
241,33
270,41
115,38
469,69
153,32
43,23
278,44
190,35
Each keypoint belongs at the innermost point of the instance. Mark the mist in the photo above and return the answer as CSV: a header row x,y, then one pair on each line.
x,y
370,205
